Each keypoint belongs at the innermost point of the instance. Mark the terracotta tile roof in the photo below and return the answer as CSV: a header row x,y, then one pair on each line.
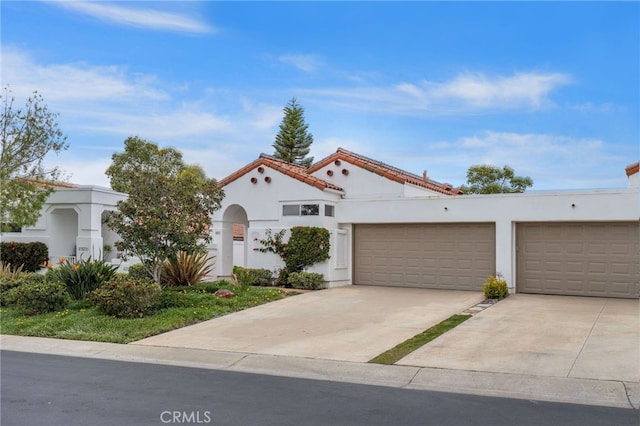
x,y
50,184
633,169
384,170
292,170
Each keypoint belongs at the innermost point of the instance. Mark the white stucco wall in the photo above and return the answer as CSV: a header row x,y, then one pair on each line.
x,y
360,183
370,198
262,203
71,217
505,210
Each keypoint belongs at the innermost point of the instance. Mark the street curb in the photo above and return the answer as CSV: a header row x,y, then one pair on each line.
x,y
553,389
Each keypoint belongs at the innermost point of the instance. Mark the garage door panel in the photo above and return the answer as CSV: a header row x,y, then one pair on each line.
x,y
586,259
447,256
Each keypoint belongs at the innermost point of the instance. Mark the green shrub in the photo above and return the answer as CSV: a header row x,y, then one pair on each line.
x,y
306,246
31,255
83,276
258,276
305,280
186,269
8,286
177,299
138,271
123,297
496,287
41,297
207,287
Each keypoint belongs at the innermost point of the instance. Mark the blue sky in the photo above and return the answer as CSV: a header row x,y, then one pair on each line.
x,y
549,88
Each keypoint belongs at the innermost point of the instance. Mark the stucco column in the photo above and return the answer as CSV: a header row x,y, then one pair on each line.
x,y
505,254
89,240
222,239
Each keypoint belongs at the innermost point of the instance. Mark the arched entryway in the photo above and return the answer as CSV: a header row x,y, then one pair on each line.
x,y
64,231
234,244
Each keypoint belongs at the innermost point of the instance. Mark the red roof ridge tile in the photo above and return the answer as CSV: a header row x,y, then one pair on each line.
x,y
632,169
385,170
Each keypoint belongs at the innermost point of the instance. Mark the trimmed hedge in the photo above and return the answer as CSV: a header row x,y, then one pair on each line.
x,y
305,280
31,255
255,276
41,297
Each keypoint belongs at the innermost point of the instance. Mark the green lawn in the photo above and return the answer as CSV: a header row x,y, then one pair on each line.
x,y
395,354
81,321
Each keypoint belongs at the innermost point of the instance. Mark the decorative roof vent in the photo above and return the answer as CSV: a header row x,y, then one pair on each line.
x,y
329,172
345,172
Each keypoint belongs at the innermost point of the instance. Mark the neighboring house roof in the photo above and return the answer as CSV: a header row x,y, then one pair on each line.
x,y
385,170
238,232
292,170
633,169
50,184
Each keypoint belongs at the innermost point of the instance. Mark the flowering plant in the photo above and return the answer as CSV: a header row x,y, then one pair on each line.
x,y
83,276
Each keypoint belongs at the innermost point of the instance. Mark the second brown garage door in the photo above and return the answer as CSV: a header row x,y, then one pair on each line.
x,y
579,259
441,256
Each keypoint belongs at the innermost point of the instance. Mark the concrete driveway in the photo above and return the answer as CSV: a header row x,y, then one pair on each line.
x,y
353,323
561,336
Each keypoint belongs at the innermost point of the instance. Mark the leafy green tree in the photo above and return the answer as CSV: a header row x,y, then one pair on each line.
x,y
28,134
487,179
169,206
293,141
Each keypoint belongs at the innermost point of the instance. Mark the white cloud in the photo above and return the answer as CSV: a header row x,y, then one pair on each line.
x,y
552,161
74,82
136,17
522,89
306,63
467,93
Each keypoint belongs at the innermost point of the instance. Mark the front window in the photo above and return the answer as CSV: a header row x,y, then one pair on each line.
x,y
291,210
310,210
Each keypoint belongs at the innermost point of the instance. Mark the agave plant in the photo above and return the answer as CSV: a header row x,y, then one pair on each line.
x,y
186,268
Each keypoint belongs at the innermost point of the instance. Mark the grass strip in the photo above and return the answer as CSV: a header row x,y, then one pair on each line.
x,y
403,349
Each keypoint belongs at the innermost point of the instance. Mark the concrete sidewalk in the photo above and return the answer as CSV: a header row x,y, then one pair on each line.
x,y
557,389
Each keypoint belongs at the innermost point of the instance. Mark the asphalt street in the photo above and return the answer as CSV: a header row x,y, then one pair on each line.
x,y
53,390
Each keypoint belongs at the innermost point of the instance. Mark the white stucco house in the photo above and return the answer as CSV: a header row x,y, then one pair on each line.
x,y
71,223
393,228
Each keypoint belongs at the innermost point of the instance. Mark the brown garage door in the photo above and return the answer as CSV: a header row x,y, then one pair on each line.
x,y
580,259
441,256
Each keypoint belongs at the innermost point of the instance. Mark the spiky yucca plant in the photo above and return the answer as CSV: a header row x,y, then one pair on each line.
x,y
187,269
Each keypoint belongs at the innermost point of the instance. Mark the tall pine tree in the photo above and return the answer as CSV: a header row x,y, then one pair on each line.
x,y
293,141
